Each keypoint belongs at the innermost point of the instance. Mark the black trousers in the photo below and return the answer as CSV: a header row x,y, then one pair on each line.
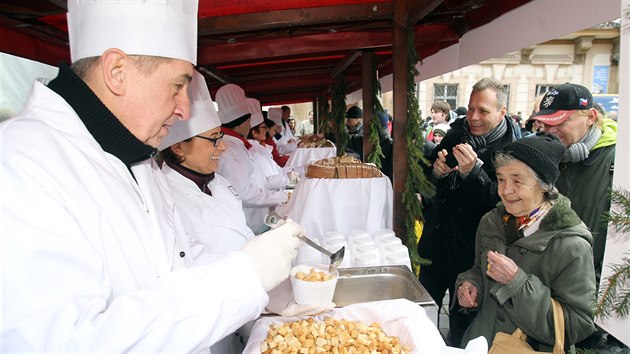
x,y
459,320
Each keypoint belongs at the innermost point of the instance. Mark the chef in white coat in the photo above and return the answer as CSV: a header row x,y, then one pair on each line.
x,y
286,142
94,256
275,177
211,208
237,164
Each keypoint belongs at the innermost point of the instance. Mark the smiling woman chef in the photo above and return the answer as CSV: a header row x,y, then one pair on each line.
x,y
94,257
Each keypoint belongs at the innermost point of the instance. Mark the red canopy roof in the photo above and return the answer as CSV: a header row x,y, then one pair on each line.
x,y
278,51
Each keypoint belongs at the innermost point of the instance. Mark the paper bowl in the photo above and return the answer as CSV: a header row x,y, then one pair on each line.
x,y
313,292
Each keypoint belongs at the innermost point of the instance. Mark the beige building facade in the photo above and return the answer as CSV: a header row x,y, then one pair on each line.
x,y
589,57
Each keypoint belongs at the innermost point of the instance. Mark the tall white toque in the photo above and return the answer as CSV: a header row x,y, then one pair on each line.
x,y
231,102
275,115
163,28
203,115
254,108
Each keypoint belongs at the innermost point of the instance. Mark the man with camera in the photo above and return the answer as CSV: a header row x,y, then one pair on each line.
x,y
466,189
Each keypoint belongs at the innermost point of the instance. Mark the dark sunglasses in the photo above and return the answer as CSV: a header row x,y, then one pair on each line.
x,y
215,141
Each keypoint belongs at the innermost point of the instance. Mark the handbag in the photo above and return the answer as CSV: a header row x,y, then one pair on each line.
x,y
516,342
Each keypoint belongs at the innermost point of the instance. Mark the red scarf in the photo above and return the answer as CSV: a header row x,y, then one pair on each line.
x,y
230,132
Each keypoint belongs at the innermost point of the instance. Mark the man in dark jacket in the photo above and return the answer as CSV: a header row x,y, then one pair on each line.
x,y
586,171
466,190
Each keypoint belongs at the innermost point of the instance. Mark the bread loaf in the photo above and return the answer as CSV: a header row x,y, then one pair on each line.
x,y
342,167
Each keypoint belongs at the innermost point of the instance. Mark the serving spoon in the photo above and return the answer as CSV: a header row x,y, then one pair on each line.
x,y
274,220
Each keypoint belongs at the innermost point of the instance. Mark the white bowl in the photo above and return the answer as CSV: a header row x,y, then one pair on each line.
x,y
313,292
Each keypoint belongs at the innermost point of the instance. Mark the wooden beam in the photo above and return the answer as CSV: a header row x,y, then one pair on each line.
x,y
215,73
400,113
297,18
420,8
345,63
279,74
312,45
367,83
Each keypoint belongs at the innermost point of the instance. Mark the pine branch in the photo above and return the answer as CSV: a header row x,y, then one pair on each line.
x,y
340,88
377,153
614,293
416,180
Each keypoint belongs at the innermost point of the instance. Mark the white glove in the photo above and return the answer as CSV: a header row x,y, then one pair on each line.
x,y
281,302
272,253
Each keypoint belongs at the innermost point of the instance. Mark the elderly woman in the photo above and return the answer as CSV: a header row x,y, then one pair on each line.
x,y
213,212
531,248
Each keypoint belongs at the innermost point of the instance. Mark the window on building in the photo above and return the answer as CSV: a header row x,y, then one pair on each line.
x,y
448,93
541,89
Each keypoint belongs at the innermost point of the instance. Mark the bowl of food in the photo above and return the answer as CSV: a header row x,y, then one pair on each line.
x,y
313,284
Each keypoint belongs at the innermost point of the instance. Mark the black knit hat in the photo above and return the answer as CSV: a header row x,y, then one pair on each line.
x,y
541,152
354,112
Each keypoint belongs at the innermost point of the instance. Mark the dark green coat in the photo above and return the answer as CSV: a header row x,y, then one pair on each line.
x,y
555,261
586,184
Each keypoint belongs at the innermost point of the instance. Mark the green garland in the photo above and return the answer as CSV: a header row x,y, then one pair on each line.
x,y
324,115
377,153
416,180
614,292
340,87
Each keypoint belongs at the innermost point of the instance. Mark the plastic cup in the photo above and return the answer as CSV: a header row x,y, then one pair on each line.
x,y
313,292
388,241
360,241
356,234
368,249
308,255
379,234
401,258
366,260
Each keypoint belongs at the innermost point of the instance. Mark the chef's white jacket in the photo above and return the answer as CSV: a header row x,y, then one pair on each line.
x,y
275,177
95,261
236,164
284,146
218,220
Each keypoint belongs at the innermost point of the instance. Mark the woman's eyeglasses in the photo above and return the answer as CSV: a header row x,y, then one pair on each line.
x,y
215,141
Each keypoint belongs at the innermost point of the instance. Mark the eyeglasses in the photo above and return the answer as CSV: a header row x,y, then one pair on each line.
x,y
215,141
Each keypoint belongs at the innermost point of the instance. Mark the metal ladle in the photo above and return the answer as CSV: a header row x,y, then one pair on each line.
x,y
274,220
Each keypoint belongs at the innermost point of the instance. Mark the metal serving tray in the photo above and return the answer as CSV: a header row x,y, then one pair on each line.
x,y
365,284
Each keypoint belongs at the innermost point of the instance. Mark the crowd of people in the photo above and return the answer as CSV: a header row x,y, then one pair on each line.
x,y
516,220
107,248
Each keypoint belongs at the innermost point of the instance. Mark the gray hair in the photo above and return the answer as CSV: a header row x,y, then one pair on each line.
x,y
494,85
550,191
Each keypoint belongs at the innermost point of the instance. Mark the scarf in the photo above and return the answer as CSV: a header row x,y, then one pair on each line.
x,y
514,224
201,180
479,143
230,132
579,151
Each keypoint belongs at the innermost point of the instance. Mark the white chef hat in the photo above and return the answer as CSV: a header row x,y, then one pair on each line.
x,y
203,116
254,108
232,104
164,28
275,115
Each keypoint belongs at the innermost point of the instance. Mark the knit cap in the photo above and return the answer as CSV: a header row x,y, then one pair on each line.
x,y
354,112
542,153
441,129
